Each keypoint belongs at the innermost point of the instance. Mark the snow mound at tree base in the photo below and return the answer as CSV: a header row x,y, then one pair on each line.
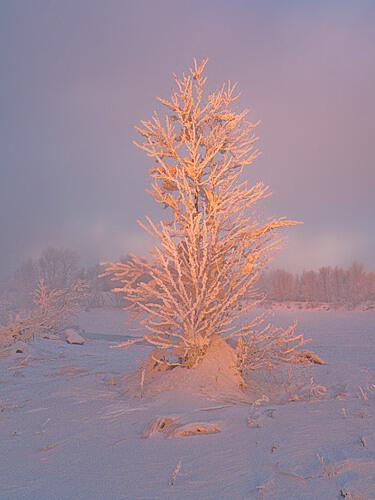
x,y
216,376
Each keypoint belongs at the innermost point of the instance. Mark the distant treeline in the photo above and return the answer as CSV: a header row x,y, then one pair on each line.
x,y
333,285
60,268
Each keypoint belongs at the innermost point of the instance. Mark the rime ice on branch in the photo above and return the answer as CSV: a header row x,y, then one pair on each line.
x,y
200,278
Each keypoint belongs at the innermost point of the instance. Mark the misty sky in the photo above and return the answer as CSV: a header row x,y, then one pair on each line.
x,y
76,76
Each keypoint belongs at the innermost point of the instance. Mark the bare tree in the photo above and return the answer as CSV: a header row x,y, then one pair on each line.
x,y
27,275
58,267
202,273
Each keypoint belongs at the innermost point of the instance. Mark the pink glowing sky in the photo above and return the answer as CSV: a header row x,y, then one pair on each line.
x,y
76,76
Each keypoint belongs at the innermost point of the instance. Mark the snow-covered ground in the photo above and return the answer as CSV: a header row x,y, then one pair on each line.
x,y
68,430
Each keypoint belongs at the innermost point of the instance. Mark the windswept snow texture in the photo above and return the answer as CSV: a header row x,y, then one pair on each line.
x,y
68,431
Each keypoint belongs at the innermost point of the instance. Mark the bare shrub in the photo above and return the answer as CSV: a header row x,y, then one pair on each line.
x,y
269,346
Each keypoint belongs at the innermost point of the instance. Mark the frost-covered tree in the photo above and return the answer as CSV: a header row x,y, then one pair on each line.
x,y
200,278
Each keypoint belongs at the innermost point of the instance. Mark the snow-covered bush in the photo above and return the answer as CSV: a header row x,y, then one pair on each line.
x,y
51,309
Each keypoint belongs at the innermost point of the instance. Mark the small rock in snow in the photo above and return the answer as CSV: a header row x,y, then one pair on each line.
x,y
73,337
20,347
